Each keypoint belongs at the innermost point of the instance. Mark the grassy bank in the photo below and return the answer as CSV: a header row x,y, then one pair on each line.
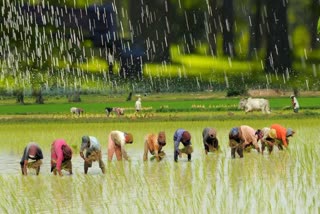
x,y
152,103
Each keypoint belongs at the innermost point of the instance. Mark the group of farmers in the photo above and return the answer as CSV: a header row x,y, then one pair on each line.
x,y
240,138
245,137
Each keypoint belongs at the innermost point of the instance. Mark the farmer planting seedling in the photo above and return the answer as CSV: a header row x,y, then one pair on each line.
x,y
116,144
154,144
61,155
33,152
184,137
210,141
268,139
242,137
282,135
93,153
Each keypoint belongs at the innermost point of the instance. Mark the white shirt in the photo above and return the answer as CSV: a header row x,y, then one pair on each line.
x,y
295,101
138,104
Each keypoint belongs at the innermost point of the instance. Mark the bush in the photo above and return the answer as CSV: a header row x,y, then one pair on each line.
x,y
74,97
236,91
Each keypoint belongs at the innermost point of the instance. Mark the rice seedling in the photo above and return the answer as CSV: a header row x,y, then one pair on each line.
x,y
283,182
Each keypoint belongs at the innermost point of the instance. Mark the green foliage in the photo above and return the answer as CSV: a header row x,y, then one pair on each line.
x,y
95,65
188,4
301,40
186,73
242,44
19,94
238,90
69,3
87,43
74,97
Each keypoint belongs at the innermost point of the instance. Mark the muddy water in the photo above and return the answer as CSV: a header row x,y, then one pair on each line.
x,y
9,162
134,186
213,183
284,182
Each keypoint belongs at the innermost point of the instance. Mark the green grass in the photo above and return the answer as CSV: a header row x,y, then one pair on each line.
x,y
154,103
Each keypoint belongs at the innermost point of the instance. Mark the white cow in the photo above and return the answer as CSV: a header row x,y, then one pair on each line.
x,y
76,111
255,104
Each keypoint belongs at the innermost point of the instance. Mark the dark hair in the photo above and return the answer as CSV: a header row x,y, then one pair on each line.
x,y
186,136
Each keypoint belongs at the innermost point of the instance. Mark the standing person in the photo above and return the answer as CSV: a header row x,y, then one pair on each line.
x,y
268,139
282,135
138,105
295,104
116,144
61,155
210,141
184,137
31,151
93,153
242,137
154,144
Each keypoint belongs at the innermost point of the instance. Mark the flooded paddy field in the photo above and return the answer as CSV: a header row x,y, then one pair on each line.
x,y
283,182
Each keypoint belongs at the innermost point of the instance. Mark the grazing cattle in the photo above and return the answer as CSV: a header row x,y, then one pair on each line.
x,y
255,104
118,111
76,111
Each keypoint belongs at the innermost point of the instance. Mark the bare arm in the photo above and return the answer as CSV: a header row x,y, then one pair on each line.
x,y
145,154
124,152
25,164
284,141
24,161
156,151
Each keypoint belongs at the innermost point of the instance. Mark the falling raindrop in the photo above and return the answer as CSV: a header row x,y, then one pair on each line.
x,y
198,84
284,78
314,70
305,54
226,79
230,62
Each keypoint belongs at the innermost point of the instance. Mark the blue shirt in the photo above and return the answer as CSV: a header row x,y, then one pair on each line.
x,y
94,145
177,139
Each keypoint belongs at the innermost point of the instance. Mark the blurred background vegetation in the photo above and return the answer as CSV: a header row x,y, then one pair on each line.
x,y
120,46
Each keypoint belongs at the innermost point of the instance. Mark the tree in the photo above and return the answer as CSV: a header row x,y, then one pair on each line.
x,y
255,30
193,28
37,84
212,25
278,53
315,8
228,28
18,93
150,25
